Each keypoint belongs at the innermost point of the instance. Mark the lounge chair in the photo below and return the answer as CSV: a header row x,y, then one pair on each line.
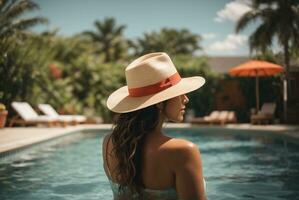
x,y
48,110
206,119
222,117
232,117
265,115
216,117
225,117
27,115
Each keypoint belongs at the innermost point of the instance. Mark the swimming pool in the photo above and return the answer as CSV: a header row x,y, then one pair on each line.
x,y
236,166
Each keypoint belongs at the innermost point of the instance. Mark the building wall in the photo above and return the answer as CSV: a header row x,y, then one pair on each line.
x,y
230,96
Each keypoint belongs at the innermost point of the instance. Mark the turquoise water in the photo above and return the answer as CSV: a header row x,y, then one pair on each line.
x,y
235,167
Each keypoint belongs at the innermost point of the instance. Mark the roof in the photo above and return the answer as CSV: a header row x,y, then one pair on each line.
x,y
222,64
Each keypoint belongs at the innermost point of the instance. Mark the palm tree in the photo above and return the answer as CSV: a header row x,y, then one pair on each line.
x,y
169,40
10,12
109,38
280,20
18,57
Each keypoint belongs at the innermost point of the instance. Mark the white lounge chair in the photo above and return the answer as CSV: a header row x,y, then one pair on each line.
x,y
27,115
266,114
48,110
225,117
216,117
232,117
209,119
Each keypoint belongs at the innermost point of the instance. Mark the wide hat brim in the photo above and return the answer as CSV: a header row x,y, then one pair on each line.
x,y
120,101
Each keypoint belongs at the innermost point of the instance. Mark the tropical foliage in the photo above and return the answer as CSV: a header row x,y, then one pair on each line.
x,y
76,74
279,19
10,22
17,71
108,39
168,40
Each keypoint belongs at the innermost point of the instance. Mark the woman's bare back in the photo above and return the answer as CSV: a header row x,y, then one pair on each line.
x,y
156,171
167,163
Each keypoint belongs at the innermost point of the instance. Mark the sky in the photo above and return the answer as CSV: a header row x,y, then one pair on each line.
x,y
214,20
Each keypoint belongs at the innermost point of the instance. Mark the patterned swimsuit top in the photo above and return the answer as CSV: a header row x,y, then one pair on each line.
x,y
147,194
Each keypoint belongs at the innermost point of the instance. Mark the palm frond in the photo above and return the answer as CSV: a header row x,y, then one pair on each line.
x,y
99,25
119,30
262,37
18,9
22,25
5,3
109,39
28,23
91,35
266,2
247,18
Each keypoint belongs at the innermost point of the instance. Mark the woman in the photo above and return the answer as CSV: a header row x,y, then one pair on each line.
x,y
139,160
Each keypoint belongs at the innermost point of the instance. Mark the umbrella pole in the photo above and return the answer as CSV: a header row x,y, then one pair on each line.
x,y
285,100
257,93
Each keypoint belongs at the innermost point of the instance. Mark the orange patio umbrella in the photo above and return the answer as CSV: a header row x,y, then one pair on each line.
x,y
256,68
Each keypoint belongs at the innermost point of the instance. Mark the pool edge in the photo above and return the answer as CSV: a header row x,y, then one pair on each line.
x,y
288,132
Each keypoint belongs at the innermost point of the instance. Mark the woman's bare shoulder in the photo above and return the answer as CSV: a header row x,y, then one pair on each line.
x,y
176,144
181,149
183,155
105,139
106,136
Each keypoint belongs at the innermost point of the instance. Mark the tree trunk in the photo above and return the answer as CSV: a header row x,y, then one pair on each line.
x,y
257,97
287,58
286,77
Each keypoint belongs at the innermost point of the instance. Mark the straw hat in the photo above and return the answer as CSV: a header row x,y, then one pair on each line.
x,y
151,79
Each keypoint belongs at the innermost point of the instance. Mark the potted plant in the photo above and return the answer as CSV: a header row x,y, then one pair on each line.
x,y
3,115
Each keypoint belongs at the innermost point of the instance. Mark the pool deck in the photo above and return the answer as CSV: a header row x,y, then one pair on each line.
x,y
16,138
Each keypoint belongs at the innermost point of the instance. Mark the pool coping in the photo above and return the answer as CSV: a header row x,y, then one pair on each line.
x,y
16,139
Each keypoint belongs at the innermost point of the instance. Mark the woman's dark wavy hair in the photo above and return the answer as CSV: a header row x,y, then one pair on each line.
x,y
128,137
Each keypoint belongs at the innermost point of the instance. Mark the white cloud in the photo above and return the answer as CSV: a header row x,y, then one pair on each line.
x,y
233,11
230,43
208,36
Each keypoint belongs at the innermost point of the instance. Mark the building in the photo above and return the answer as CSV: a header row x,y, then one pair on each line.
x,y
226,99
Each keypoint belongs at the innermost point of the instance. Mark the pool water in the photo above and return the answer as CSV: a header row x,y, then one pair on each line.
x,y
235,166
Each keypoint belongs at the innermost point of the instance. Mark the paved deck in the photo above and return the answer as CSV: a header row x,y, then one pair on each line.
x,y
15,138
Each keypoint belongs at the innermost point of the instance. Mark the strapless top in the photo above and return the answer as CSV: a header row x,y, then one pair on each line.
x,y
147,194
